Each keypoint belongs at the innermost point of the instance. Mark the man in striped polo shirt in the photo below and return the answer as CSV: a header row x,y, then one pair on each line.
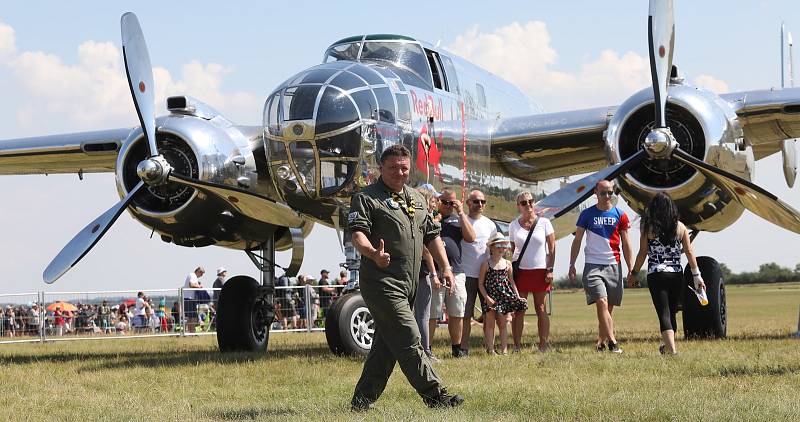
x,y
606,227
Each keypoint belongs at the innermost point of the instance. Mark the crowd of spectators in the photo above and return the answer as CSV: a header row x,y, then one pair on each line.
x,y
143,316
290,299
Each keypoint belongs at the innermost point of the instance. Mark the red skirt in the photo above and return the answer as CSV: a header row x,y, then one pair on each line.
x,y
528,281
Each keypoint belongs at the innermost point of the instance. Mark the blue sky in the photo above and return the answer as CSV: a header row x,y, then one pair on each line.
x,y
580,54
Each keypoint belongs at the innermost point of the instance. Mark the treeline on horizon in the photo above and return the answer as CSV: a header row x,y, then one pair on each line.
x,y
767,273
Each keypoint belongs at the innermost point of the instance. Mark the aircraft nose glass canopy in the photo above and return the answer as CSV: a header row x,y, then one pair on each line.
x,y
314,123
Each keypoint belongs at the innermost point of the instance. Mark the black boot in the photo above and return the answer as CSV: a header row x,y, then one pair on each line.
x,y
443,400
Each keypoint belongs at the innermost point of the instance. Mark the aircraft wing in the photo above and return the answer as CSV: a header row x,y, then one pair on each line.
x,y
546,146
551,145
767,117
85,152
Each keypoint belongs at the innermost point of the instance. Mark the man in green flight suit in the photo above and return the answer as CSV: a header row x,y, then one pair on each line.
x,y
389,224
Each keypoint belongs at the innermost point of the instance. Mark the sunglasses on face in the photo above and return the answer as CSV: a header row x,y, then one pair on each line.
x,y
526,203
608,193
478,201
448,203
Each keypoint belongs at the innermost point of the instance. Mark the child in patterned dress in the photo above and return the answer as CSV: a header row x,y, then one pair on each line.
x,y
496,284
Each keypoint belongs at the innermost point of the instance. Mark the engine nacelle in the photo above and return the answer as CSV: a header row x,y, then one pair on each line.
x,y
706,127
198,142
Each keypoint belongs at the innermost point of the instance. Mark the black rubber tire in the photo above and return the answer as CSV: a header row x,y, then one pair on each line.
x,y
708,321
354,326
332,333
242,312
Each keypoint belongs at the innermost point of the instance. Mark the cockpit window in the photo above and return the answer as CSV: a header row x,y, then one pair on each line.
x,y
386,104
271,117
347,81
367,104
343,52
298,102
407,60
335,111
318,76
305,162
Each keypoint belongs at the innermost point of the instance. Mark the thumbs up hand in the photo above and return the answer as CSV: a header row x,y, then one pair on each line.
x,y
380,256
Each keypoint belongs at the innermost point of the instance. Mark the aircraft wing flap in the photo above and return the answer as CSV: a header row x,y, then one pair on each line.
x,y
546,146
87,152
767,117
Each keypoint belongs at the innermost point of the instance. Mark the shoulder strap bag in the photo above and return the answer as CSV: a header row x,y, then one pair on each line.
x,y
515,264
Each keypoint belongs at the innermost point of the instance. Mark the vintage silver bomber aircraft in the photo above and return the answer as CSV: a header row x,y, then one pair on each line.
x,y
198,179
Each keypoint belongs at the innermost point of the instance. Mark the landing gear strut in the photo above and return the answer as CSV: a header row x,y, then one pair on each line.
x,y
246,309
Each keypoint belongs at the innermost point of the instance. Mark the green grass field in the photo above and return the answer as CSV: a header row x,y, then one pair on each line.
x,y
753,375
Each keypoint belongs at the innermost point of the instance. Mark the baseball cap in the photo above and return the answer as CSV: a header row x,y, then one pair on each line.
x,y
221,270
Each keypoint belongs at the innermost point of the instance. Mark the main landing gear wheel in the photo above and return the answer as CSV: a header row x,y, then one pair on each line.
x,y
349,327
244,316
708,321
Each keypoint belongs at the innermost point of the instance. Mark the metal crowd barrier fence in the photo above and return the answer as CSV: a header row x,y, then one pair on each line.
x,y
20,317
96,315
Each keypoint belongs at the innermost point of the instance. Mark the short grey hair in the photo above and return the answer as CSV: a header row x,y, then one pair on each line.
x,y
524,194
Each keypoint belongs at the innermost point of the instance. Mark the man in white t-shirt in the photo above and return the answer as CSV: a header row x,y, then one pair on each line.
x,y
189,304
472,255
140,315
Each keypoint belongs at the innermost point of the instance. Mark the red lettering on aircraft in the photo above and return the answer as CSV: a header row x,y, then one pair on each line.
x,y
427,106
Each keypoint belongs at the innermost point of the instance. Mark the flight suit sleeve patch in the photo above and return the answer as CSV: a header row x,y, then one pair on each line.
x,y
360,211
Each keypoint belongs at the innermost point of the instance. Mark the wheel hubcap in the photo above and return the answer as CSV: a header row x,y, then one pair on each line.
x,y
260,317
362,327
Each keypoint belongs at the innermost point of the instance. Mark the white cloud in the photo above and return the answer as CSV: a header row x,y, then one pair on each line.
x,y
522,54
93,93
8,40
711,83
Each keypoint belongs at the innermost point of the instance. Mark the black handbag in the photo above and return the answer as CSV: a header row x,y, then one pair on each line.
x,y
515,264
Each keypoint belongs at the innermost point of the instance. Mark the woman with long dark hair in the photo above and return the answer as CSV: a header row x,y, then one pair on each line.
x,y
663,239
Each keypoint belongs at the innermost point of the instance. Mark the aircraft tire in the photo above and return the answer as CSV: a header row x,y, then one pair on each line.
x,y
332,331
708,321
354,324
244,316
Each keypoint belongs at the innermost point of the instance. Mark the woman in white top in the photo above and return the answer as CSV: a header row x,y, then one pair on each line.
x,y
535,267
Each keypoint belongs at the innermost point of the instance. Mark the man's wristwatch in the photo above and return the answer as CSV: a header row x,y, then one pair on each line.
x,y
549,269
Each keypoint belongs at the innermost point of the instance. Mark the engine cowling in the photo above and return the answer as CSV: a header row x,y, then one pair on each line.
x,y
704,126
197,142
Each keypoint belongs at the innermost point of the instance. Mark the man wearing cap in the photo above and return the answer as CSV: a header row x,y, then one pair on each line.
x,y
389,225
218,283
326,291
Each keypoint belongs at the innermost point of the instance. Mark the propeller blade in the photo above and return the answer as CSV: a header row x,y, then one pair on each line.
x,y
85,240
246,203
661,37
140,76
753,197
563,200
789,155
